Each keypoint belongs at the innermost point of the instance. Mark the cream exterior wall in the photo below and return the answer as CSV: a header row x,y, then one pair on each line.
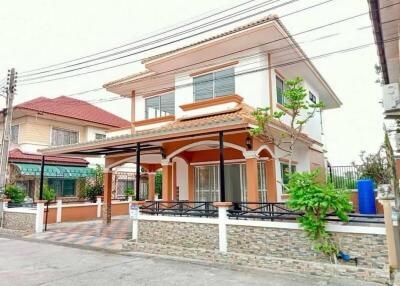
x,y
35,134
182,170
302,156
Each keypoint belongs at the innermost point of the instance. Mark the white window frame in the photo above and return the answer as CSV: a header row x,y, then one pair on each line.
x,y
101,134
213,81
159,96
17,133
283,89
65,129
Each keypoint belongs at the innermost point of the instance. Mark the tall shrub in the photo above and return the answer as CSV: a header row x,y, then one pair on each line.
x,y
316,201
15,194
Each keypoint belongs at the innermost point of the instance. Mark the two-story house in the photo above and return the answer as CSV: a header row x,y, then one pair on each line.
x,y
45,122
192,112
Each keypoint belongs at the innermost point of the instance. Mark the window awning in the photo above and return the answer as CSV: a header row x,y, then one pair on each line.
x,y
54,170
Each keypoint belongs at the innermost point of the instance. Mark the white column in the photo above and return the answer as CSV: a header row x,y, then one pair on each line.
x,y
98,201
39,216
59,211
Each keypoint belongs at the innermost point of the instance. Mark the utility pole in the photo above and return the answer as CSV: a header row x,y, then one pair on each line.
x,y
7,113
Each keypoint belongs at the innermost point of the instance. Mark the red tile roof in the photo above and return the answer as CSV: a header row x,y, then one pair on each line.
x,y
16,155
73,108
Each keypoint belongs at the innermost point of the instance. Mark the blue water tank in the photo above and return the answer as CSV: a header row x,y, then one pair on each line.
x,y
366,196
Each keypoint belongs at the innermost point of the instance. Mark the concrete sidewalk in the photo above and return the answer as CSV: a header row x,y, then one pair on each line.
x,y
33,263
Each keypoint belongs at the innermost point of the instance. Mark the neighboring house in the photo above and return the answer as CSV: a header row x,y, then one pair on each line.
x,y
196,101
385,22
45,122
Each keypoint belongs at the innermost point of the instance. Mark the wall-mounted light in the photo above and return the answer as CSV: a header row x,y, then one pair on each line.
x,y
249,143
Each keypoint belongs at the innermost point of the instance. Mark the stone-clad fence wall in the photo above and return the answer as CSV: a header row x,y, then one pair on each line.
x,y
277,246
24,219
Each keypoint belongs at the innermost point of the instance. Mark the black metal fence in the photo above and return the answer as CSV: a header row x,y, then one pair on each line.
x,y
181,208
243,210
343,177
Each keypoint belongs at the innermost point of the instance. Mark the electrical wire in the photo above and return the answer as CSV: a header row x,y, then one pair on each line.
x,y
176,40
165,38
256,46
282,64
130,62
143,39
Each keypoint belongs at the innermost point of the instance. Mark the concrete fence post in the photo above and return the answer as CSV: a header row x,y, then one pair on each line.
x,y
134,214
39,216
130,199
98,202
5,203
392,231
222,220
59,211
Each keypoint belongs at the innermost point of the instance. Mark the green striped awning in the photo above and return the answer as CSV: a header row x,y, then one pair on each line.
x,y
54,170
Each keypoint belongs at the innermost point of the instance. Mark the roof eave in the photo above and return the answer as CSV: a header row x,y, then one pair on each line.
x,y
374,11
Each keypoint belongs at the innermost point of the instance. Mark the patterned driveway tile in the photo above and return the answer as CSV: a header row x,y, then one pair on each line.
x,y
92,234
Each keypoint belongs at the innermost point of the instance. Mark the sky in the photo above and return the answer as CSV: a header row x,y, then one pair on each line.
x,y
40,33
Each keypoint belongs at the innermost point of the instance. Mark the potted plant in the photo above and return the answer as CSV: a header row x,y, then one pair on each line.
x,y
129,193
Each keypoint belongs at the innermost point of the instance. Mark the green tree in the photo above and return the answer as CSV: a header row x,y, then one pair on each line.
x,y
299,111
316,201
15,194
95,187
375,167
49,193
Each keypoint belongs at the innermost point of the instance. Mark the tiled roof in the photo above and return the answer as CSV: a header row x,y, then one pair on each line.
x,y
16,155
73,108
233,31
239,115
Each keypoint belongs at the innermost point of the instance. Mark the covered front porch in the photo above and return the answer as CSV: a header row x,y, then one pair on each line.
x,y
202,159
191,169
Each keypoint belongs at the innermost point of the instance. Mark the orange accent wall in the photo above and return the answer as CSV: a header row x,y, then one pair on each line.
x,y
166,183
119,209
354,199
79,213
272,193
152,186
52,216
252,180
211,102
191,183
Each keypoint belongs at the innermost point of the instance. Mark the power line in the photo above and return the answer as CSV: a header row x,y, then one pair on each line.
x,y
130,62
165,38
282,64
141,40
173,41
276,40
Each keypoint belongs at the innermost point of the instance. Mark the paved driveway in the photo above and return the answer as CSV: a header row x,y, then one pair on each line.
x,y
40,263
89,233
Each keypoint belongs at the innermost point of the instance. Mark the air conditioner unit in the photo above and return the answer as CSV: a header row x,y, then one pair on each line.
x,y
391,97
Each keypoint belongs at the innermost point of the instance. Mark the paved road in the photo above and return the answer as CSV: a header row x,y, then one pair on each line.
x,y
33,263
